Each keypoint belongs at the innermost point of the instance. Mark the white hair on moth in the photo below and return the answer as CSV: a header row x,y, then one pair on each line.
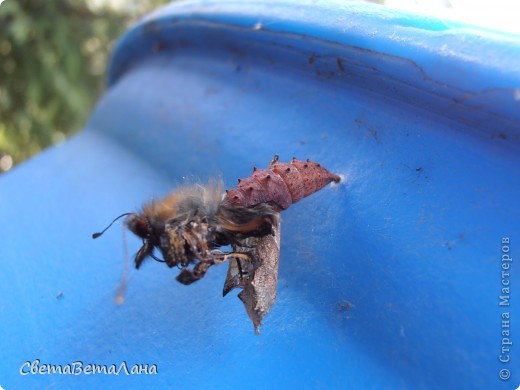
x,y
212,194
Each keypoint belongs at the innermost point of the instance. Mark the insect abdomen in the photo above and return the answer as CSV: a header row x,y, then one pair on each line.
x,y
281,185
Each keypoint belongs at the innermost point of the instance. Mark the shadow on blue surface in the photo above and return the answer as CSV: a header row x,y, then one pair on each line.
x,y
390,280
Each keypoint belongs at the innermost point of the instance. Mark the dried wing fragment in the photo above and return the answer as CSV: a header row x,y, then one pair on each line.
x,y
257,278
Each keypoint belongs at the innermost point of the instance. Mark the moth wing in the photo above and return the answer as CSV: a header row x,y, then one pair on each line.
x,y
259,278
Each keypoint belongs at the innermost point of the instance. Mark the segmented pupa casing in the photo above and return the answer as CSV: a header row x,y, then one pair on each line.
x,y
280,185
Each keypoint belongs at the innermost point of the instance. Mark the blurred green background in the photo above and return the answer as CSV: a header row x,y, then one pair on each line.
x,y
54,55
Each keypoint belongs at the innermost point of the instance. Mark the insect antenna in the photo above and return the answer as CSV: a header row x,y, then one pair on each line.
x,y
96,235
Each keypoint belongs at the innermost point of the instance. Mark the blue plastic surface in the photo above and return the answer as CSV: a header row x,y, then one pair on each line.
x,y
422,120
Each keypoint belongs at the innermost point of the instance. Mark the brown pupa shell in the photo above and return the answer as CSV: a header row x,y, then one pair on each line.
x,y
258,278
280,185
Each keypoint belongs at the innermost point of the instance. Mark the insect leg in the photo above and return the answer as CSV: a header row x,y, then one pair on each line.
x,y
145,251
188,276
218,257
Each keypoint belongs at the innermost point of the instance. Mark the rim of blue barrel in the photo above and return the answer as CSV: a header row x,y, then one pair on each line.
x,y
474,68
365,25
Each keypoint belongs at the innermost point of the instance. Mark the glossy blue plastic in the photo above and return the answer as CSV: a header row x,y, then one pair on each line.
x,y
390,280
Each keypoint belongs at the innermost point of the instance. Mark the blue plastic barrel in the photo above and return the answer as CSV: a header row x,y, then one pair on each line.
x,y
399,278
